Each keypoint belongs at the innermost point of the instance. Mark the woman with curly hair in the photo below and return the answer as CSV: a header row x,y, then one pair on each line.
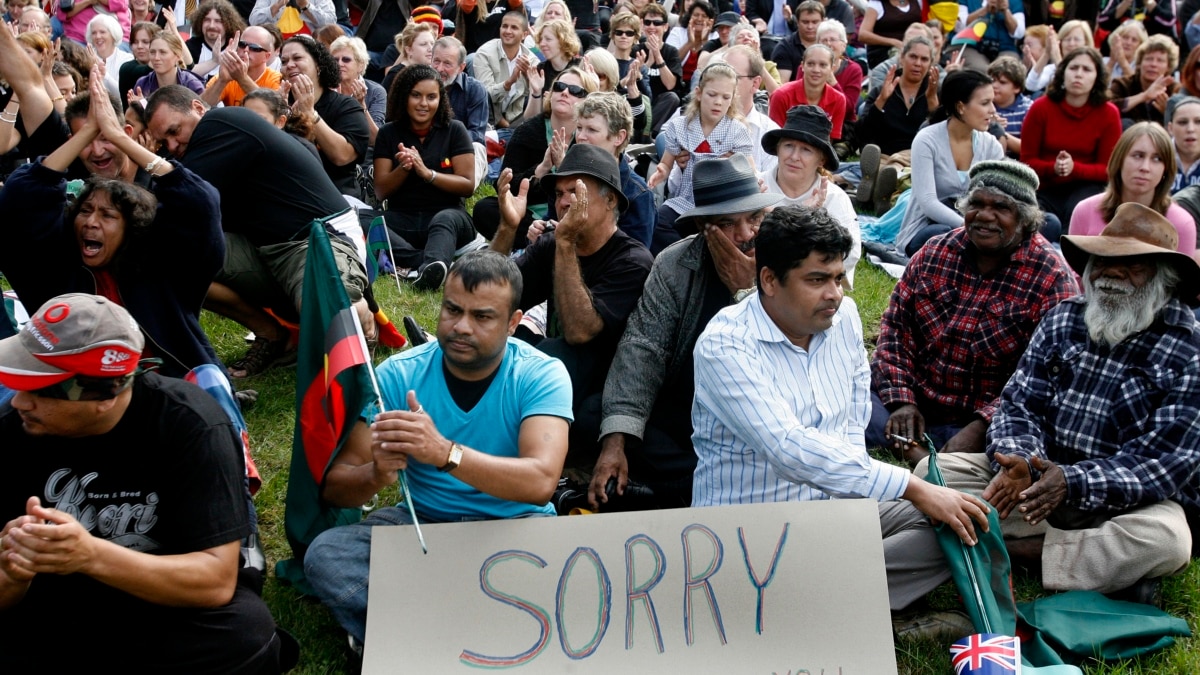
x,y
560,45
424,169
112,239
311,77
1069,134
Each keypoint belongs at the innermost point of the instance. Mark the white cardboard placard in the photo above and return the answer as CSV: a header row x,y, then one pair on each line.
x,y
768,588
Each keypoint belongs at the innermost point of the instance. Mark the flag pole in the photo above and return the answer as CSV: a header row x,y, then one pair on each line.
x,y
402,473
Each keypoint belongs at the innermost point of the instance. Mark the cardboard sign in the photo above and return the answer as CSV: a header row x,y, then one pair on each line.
x,y
771,588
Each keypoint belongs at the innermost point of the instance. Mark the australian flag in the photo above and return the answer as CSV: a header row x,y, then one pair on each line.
x,y
986,654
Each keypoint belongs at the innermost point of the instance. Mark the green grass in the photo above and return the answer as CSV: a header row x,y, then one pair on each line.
x,y
323,642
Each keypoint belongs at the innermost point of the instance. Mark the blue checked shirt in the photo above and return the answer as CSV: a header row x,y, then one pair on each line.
x,y
1123,422
774,422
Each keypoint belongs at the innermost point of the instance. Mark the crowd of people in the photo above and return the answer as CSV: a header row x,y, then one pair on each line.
x,y
656,295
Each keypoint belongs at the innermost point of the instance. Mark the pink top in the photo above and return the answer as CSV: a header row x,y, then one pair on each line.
x,y
1087,220
76,26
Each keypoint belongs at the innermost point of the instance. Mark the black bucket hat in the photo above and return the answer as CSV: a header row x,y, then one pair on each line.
x,y
806,123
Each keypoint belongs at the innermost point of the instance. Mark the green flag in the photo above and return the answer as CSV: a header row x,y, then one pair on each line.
x,y
982,571
333,385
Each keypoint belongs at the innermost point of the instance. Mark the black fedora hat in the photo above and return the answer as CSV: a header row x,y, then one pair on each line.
x,y
588,160
806,123
726,186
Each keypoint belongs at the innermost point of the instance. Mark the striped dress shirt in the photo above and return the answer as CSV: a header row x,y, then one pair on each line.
x,y
775,422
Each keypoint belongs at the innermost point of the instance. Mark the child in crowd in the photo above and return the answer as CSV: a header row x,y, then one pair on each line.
x,y
710,127
1008,84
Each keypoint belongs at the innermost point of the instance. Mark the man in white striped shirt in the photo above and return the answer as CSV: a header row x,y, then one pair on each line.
x,y
783,399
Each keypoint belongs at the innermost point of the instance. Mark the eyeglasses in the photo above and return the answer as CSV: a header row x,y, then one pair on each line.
x,y
346,59
654,22
257,49
572,89
618,32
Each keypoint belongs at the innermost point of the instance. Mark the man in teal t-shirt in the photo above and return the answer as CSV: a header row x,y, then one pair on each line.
x,y
478,419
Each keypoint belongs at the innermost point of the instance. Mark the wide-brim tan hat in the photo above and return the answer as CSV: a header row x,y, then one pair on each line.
x,y
1136,230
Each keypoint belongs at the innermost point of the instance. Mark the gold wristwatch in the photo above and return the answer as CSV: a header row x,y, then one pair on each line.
x,y
453,459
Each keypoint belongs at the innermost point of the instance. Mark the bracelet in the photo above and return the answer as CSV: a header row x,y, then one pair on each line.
x,y
432,176
8,120
316,118
154,164
60,97
661,64
537,95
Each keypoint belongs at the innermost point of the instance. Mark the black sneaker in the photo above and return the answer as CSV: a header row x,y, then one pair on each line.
x,y
416,335
432,276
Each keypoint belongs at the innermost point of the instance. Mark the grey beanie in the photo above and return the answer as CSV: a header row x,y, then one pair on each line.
x,y
1012,178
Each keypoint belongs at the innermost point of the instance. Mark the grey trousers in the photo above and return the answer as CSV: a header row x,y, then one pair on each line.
x,y
912,557
1101,552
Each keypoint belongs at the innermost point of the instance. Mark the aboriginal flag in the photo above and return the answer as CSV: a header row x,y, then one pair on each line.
x,y
333,385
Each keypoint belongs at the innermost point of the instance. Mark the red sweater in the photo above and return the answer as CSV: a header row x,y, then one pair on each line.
x,y
1088,133
833,102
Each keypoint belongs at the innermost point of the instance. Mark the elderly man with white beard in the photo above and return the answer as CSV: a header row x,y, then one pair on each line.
x,y
1092,459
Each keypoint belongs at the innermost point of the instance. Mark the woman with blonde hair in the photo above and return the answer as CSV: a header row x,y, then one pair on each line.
x,y
352,59
1123,43
1041,53
1074,34
554,9
710,127
560,46
1141,169
613,76
537,147
415,44
166,59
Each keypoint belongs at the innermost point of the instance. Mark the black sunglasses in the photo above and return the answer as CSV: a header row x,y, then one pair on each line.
x,y
257,49
83,388
654,22
619,32
572,89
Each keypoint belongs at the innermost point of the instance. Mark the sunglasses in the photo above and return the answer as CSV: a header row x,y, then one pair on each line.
x,y
654,22
346,59
572,89
257,49
83,388
619,32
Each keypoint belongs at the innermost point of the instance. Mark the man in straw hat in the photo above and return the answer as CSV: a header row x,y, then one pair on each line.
x,y
124,506
1093,455
961,316
643,435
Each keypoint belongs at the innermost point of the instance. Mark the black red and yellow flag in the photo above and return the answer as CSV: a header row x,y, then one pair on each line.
x,y
333,385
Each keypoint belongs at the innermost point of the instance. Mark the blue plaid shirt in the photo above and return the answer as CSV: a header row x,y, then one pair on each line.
x,y
1123,422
